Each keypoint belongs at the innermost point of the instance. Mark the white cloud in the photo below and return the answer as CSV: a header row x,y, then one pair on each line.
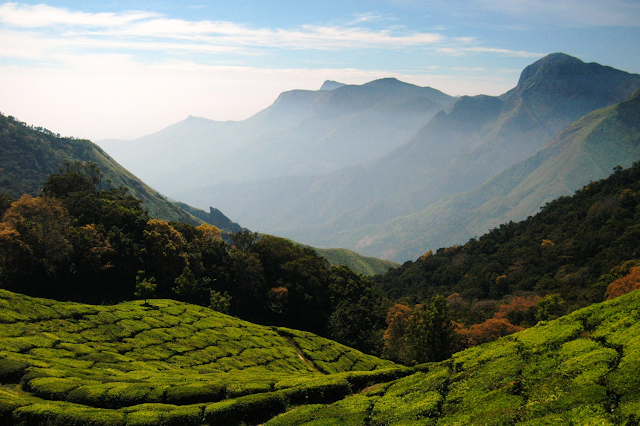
x,y
154,27
42,15
460,51
590,13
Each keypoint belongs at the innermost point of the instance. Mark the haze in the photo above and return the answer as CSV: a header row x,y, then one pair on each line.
x,y
125,69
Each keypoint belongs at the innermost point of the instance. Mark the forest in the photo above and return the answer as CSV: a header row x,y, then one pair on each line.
x,y
86,240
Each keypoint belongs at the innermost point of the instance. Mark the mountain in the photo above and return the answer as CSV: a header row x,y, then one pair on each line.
x,y
330,85
303,133
574,248
586,150
579,369
457,151
29,155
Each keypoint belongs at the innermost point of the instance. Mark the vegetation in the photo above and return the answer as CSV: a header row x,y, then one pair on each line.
x,y
163,362
29,155
367,266
78,233
579,369
560,260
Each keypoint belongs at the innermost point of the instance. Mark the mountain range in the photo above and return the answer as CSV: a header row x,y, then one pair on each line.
x,y
303,133
399,198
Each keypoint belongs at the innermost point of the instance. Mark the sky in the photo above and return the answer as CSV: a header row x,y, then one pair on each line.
x,y
124,69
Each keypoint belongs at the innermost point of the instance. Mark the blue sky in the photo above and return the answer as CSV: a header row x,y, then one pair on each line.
x,y
116,69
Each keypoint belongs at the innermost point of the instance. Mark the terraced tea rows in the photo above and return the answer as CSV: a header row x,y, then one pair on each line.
x,y
580,369
164,362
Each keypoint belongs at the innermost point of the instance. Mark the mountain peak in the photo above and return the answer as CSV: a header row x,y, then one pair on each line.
x,y
331,85
554,64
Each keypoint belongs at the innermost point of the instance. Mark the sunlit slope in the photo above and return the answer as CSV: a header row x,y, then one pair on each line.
x,y
29,156
164,362
580,369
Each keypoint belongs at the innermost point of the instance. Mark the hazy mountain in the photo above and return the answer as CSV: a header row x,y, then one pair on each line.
x,y
455,152
303,133
330,85
585,151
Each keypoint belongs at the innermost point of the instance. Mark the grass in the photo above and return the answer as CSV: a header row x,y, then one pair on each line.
x,y
164,362
170,363
580,369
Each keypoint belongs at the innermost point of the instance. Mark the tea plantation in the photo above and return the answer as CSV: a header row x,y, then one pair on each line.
x,y
163,363
582,369
170,363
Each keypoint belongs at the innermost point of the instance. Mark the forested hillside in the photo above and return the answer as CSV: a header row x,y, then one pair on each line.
x,y
574,248
83,243
28,155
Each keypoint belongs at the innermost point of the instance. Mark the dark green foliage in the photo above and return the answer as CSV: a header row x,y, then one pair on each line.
x,y
107,239
563,250
430,332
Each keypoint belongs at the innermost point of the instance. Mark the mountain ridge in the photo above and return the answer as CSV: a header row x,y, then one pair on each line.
x,y
455,152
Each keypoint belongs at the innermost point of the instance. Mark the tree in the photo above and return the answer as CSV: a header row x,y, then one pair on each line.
x,y
430,331
191,289
72,178
396,333
220,302
624,285
550,307
145,288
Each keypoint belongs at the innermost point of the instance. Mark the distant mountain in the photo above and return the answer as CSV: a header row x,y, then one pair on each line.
x,y
586,150
457,151
330,85
303,133
29,155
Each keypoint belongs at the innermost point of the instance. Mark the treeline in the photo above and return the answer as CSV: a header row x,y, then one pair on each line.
x,y
577,251
80,242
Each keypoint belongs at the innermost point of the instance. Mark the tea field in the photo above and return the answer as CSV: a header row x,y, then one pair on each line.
x,y
164,363
171,363
582,369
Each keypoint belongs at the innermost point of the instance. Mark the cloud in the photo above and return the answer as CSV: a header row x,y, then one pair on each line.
x,y
461,51
42,15
571,13
154,27
370,17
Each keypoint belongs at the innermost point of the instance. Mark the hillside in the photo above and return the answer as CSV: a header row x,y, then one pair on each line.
x,y
580,369
303,132
584,151
163,362
170,363
573,248
367,266
457,151
29,155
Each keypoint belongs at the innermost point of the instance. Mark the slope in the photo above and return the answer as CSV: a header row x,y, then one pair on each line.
x,y
455,152
29,155
579,369
163,362
302,132
572,248
586,150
